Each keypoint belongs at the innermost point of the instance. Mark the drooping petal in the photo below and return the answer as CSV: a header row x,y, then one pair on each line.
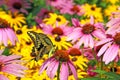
x,y
91,20
103,49
112,54
54,70
64,73
1,36
103,41
72,68
1,51
91,42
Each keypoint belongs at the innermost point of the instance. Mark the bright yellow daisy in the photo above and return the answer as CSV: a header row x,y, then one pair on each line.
x,y
55,18
110,9
60,42
15,19
92,10
112,1
80,61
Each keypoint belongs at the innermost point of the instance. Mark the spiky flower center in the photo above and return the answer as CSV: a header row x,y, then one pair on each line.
x,y
74,52
75,9
3,23
117,38
17,5
61,55
18,32
88,28
57,31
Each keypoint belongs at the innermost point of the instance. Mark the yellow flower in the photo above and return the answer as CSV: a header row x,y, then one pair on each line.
x,y
112,1
15,19
92,10
60,42
55,18
80,61
111,8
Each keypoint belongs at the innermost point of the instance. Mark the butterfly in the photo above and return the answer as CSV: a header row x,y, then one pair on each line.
x,y
42,44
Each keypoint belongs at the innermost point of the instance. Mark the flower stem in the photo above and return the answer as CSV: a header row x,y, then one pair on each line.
x,y
58,71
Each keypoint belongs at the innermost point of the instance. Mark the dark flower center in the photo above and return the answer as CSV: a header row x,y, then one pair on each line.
x,y
88,28
3,23
74,52
74,59
115,69
28,42
33,54
58,19
18,32
17,5
57,38
93,8
117,38
57,31
75,9
61,55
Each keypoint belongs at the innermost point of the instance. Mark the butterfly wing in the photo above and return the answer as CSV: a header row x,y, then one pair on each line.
x,y
42,43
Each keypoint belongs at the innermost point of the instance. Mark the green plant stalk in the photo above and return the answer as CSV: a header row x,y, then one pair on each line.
x,y
58,71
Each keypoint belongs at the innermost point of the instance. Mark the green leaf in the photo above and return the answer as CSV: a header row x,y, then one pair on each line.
x,y
93,78
113,75
6,52
99,71
92,62
118,63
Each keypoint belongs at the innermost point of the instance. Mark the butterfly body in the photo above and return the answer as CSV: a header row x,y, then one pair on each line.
x,y
42,44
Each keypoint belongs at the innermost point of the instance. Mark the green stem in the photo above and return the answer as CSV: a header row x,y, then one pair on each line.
x,y
113,70
58,71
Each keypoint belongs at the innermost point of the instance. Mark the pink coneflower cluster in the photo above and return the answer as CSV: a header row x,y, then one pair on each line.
x,y
60,60
66,6
11,64
110,45
87,33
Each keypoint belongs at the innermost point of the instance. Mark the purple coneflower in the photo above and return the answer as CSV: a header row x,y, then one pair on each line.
x,y
59,61
10,64
6,33
86,33
110,48
18,5
62,30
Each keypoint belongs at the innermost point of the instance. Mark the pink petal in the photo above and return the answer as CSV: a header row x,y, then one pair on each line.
x,y
10,36
72,68
51,67
52,74
5,38
103,41
3,77
75,22
91,20
1,36
11,57
86,41
1,51
107,53
45,64
112,54
64,73
99,34
103,49
91,42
